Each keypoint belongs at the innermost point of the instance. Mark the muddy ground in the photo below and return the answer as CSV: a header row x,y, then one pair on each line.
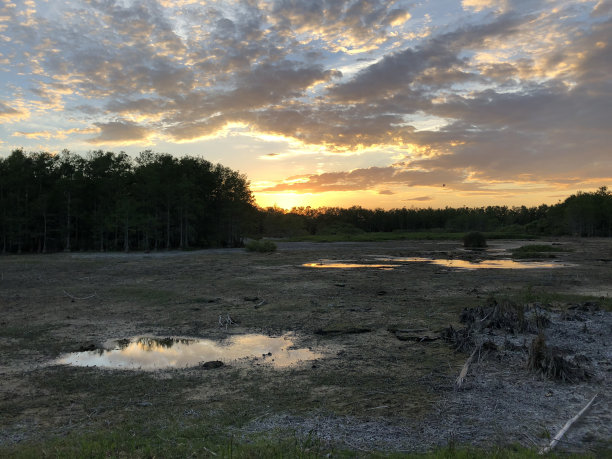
x,y
386,381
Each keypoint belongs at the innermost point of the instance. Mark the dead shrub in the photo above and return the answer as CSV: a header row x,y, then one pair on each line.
x,y
504,315
551,363
461,339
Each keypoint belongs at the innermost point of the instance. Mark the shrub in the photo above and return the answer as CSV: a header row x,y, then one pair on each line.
x,y
260,246
474,240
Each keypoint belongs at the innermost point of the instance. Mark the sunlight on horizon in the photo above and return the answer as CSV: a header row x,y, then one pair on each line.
x,y
416,198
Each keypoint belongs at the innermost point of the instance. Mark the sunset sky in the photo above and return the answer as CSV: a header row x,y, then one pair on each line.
x,y
377,103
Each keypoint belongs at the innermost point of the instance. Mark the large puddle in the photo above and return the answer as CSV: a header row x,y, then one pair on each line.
x,y
145,353
394,262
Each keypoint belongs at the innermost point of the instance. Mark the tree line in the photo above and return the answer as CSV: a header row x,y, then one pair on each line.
x,y
109,201
583,214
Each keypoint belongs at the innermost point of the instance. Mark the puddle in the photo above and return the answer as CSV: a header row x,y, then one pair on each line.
x,y
497,264
348,265
145,353
452,263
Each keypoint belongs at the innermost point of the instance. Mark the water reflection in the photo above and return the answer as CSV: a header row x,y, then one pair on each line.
x,y
146,353
449,263
495,264
348,265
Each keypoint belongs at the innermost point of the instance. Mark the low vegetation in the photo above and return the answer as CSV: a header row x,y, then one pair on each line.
x,y
264,246
108,201
176,442
537,251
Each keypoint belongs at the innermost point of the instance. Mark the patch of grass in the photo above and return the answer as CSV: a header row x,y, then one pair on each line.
x,y
402,236
169,441
30,336
537,251
196,441
263,246
377,237
529,295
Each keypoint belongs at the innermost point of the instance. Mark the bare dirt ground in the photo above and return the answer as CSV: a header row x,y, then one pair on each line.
x,y
386,381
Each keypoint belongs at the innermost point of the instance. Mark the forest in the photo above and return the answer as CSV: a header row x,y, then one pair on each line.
x,y
111,201
585,214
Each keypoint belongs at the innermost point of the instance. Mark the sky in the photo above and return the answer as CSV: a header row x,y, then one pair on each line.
x,y
375,103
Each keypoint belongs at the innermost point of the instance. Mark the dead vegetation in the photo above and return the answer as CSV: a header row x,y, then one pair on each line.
x,y
512,319
552,362
505,315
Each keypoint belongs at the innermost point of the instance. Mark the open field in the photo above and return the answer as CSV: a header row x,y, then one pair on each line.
x,y
385,382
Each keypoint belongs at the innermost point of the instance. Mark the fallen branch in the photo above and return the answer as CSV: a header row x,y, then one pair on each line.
x,y
566,427
464,370
72,297
225,321
208,450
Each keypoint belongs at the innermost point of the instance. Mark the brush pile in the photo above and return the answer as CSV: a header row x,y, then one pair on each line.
x,y
553,364
503,329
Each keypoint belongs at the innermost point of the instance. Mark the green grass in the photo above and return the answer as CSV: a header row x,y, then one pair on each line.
x,y
395,236
537,251
174,441
544,297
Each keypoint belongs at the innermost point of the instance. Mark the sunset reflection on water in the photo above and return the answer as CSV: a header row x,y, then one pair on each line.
x,y
448,263
147,353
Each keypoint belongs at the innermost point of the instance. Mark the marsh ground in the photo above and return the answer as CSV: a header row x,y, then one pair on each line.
x,y
370,392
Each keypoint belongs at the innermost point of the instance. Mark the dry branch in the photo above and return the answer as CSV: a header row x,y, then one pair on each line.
x,y
566,427
464,370
225,321
72,297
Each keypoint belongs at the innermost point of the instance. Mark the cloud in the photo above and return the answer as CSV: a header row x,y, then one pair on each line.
x,y
519,90
602,8
349,25
371,178
479,5
9,114
420,198
120,133
57,134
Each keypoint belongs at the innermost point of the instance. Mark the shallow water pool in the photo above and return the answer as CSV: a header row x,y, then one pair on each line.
x,y
150,353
